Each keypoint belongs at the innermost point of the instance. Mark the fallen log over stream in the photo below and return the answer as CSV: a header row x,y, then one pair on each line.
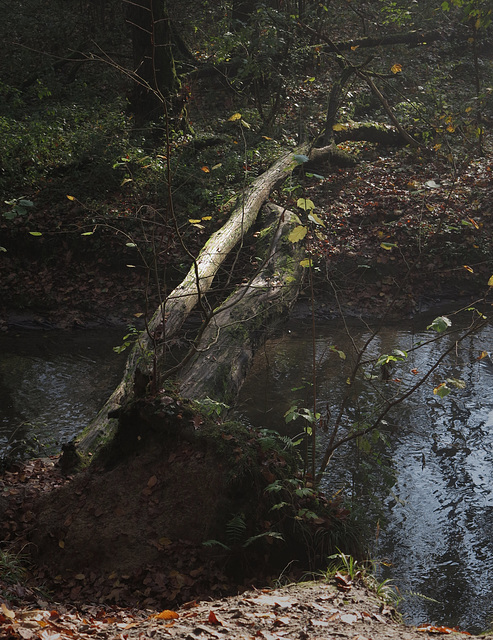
x,y
148,352
238,327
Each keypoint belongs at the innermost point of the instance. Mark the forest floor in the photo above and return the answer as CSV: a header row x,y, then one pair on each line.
x,y
400,234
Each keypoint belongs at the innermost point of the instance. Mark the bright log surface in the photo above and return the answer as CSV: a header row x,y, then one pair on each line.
x,y
240,324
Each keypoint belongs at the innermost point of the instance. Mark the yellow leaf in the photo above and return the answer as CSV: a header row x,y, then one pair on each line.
x,y
234,117
61,544
71,197
469,109
396,68
354,47
167,614
7,612
205,169
216,166
470,269
483,354
490,282
207,218
266,138
193,221
305,203
339,127
306,263
388,246
451,128
297,234
138,315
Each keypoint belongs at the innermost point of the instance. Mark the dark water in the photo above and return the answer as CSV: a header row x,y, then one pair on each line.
x,y
437,489
53,383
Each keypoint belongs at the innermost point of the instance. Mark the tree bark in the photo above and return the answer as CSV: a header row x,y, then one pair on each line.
x,y
154,64
239,326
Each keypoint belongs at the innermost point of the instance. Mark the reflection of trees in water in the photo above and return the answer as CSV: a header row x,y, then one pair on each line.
x,y
52,385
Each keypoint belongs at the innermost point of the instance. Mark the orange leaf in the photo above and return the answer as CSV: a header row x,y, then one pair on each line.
x,y
213,619
429,628
467,268
483,354
167,614
396,68
205,169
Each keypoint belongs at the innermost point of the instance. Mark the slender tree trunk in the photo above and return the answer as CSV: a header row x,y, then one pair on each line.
x,y
154,64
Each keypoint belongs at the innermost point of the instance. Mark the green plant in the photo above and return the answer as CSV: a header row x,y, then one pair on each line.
x,y
236,535
128,340
348,570
12,569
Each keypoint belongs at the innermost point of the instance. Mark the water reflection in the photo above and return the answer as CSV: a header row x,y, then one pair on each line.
x,y
439,510
53,383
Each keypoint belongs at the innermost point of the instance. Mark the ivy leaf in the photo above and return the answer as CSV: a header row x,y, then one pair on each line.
x,y
297,234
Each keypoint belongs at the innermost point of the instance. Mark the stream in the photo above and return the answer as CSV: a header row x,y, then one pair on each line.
x,y
433,494
52,384
436,480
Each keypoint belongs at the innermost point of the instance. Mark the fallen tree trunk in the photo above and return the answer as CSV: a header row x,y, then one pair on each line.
x,y
149,350
238,327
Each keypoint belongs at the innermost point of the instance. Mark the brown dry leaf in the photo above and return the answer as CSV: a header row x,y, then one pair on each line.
x,y
349,618
214,619
343,582
166,614
284,620
319,623
152,482
274,601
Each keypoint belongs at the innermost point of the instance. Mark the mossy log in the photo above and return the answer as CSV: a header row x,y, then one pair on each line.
x,y
239,326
